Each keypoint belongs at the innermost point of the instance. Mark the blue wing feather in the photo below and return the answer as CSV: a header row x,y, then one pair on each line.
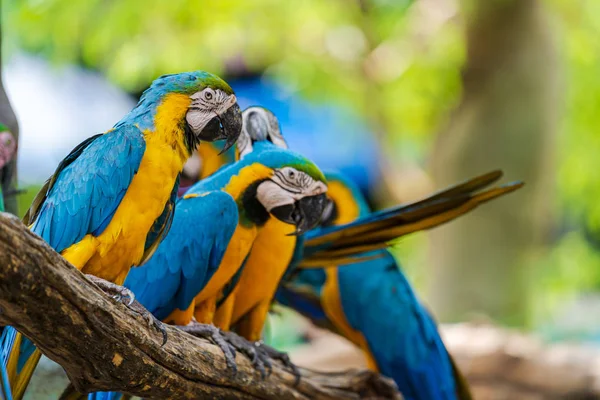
x,y
188,256
84,194
399,331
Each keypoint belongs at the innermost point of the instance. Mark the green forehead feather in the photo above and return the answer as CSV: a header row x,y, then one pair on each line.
x,y
189,83
311,169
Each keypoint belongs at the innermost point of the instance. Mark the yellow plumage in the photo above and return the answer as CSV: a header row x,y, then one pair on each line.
x,y
270,256
121,245
347,211
238,248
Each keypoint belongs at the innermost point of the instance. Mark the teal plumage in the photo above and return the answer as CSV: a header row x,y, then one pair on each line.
x,y
84,193
88,186
376,299
6,344
189,255
204,222
198,237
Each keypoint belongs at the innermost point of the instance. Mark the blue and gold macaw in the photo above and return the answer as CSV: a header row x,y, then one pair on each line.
x,y
111,200
370,302
248,299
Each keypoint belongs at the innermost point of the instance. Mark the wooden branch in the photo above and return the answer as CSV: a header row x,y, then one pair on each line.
x,y
103,345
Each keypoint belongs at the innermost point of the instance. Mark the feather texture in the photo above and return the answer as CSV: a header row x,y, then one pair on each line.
x,y
337,245
189,255
87,187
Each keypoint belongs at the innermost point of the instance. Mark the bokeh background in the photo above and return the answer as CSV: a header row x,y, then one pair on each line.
x,y
406,96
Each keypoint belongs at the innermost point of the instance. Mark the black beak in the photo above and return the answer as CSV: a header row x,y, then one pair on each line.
x,y
226,126
231,121
305,214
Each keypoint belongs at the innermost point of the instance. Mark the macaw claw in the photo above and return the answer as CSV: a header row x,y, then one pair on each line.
x,y
137,307
273,354
120,294
214,334
260,361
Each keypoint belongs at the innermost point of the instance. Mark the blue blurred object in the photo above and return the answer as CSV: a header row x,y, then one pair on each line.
x,y
330,135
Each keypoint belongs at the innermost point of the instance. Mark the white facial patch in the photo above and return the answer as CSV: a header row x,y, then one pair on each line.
x,y
206,105
287,186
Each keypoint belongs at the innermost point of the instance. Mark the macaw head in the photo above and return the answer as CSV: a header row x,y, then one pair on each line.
x,y
294,191
201,103
295,194
259,125
8,146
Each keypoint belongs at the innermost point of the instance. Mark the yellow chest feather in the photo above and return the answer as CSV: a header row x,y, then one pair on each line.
x,y
121,244
243,238
236,252
269,258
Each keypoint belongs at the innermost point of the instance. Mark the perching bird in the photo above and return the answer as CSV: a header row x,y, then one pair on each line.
x,y
8,149
250,295
111,200
370,302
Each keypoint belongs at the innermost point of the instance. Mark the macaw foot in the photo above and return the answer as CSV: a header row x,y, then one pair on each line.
x,y
215,335
260,361
119,293
273,354
123,295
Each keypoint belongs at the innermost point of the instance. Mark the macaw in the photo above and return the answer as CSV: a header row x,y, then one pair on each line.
x,y
8,149
111,200
251,294
370,302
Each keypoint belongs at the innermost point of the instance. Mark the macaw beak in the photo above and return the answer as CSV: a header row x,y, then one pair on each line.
x,y
305,213
231,121
226,126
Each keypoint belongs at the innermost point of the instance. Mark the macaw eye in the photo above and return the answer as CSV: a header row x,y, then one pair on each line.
x,y
208,94
291,174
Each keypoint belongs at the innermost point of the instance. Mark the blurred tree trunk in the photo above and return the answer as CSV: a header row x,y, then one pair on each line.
x,y
8,175
507,119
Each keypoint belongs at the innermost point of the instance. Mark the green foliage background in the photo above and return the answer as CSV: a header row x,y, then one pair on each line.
x,y
395,62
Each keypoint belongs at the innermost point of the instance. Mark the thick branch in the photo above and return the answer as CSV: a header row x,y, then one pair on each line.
x,y
102,345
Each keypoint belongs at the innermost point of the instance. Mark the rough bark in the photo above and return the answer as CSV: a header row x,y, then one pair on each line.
x,y
507,119
103,345
8,174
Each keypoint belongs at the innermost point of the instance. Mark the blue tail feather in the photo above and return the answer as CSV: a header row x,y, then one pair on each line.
x,y
104,396
16,377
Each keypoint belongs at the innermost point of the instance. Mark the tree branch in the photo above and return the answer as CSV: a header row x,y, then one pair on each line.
x,y
103,345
